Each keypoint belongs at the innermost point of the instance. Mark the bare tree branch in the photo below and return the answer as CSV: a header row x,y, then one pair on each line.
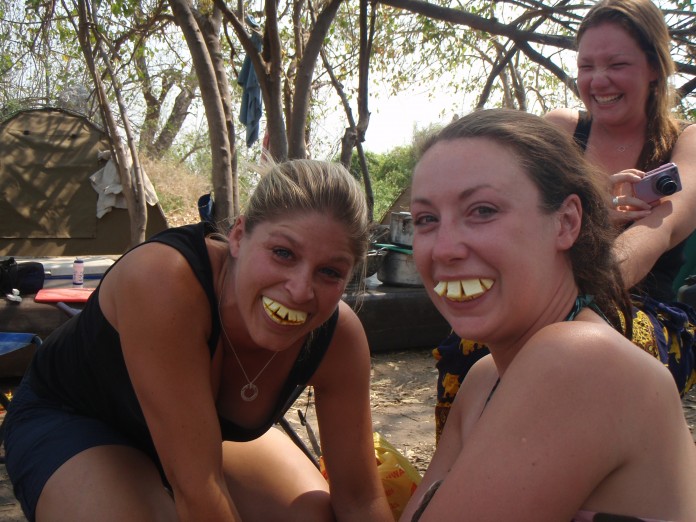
x,y
455,16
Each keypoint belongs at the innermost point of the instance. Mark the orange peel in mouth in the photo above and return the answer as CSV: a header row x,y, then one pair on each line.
x,y
463,289
282,314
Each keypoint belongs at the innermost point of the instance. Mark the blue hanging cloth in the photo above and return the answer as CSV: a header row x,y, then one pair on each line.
x,y
252,105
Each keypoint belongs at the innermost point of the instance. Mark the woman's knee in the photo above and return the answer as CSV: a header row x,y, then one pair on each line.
x,y
270,478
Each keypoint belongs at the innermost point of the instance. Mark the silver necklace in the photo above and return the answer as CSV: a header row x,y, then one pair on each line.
x,y
249,391
624,148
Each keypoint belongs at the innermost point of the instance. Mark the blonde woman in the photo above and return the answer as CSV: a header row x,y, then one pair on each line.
x,y
157,401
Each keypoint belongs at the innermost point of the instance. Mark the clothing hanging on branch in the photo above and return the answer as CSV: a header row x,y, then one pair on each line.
x,y
252,104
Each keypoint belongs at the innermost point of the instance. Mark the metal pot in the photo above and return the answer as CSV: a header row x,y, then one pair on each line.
x,y
401,229
373,260
399,269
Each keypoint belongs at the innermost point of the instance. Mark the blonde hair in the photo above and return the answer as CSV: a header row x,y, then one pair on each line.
x,y
301,186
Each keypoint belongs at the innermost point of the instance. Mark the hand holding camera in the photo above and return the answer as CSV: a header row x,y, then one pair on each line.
x,y
658,183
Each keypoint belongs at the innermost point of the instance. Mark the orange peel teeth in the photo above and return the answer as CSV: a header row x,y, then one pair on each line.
x,y
282,314
463,289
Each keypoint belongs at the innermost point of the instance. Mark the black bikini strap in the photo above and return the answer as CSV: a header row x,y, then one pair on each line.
x,y
582,129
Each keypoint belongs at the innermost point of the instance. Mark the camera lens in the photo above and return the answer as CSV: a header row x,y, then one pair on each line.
x,y
666,185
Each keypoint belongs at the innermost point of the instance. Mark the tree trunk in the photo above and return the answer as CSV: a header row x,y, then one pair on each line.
x,y
271,79
137,210
355,134
269,72
153,105
214,108
303,81
210,28
171,128
139,213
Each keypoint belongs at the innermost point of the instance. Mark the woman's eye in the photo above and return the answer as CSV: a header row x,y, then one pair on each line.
x,y
484,211
332,273
424,219
282,253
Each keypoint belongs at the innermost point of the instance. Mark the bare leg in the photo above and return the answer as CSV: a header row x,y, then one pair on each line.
x,y
106,483
271,479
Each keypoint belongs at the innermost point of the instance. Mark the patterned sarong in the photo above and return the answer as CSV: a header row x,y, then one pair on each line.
x,y
664,330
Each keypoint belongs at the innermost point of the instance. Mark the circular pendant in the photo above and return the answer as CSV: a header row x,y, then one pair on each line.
x,y
249,392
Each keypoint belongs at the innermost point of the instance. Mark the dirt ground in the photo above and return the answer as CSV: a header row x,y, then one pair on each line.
x,y
403,398
403,404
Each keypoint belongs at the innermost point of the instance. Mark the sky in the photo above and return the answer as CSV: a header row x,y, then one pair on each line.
x,y
393,119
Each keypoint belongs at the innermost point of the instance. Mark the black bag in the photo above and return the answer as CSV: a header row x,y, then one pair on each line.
x,y
26,277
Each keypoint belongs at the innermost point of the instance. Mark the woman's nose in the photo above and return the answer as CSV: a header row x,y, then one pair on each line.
x,y
300,286
600,76
449,245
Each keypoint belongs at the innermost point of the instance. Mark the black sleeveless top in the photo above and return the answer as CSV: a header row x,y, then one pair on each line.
x,y
658,283
81,366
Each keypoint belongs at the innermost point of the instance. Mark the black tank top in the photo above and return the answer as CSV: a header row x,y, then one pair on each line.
x,y
658,283
81,366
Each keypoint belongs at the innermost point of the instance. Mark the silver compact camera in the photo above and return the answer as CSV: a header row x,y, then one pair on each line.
x,y
658,183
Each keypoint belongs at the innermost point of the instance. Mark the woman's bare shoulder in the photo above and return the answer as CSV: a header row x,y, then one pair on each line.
x,y
153,276
686,141
348,352
578,340
566,119
150,261
595,356
348,327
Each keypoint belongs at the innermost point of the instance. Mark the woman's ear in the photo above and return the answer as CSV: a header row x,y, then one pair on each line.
x,y
235,235
569,222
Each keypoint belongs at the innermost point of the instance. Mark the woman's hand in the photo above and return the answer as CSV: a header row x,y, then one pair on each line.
x,y
625,207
